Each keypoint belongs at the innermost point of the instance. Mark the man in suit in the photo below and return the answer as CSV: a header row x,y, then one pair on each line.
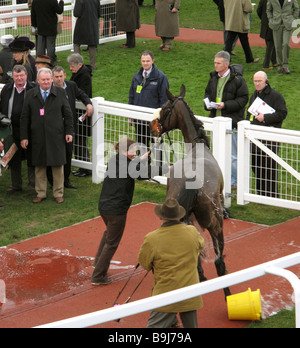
x,y
73,93
12,99
148,89
281,14
47,122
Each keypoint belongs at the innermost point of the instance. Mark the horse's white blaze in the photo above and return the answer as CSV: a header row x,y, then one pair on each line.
x,y
156,114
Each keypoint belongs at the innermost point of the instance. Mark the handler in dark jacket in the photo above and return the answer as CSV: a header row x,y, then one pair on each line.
x,y
115,200
86,30
44,18
148,89
47,122
263,166
228,88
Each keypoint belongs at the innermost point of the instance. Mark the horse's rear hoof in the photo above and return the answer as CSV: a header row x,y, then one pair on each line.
x,y
227,293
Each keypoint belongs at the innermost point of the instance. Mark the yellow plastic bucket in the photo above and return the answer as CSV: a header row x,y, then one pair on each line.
x,y
245,306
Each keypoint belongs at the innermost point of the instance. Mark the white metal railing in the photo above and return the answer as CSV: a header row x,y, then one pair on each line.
x,y
111,122
275,267
268,166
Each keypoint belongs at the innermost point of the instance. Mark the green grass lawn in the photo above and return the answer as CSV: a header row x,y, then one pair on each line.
x,y
187,63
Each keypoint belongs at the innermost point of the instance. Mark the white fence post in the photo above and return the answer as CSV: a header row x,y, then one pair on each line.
x,y
294,281
222,139
98,143
243,174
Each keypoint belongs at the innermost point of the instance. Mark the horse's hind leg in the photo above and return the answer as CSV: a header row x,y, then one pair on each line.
x,y
218,242
202,278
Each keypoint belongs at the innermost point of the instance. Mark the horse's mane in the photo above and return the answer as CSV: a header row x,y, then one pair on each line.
x,y
199,126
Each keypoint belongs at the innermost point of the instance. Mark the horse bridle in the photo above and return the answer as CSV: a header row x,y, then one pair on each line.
x,y
159,128
159,125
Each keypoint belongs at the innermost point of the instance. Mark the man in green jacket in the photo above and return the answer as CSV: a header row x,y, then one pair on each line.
x,y
237,22
281,14
171,252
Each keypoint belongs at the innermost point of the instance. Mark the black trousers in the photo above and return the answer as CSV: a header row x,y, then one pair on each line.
x,y
265,170
130,39
115,225
231,35
270,54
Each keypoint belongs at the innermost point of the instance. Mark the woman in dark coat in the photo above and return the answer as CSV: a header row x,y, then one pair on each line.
x,y
86,30
128,20
20,48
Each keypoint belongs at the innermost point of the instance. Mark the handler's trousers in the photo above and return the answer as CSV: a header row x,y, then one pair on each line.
x,y
41,181
115,225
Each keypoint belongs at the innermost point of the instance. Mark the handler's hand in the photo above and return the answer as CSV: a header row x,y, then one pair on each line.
x,y
145,156
69,138
1,146
24,144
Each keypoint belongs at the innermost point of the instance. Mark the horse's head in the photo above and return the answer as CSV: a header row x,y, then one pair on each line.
x,y
162,121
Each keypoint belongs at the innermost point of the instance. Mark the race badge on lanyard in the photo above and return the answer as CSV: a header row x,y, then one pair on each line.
x,y
139,89
42,112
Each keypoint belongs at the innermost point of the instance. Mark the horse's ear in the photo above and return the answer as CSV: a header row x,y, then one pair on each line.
x,y
182,91
170,96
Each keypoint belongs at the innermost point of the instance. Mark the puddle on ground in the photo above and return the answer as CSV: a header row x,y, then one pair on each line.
x,y
40,274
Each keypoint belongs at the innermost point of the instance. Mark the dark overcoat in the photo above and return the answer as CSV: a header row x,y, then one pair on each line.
x,y
166,22
46,125
44,16
276,101
128,15
86,30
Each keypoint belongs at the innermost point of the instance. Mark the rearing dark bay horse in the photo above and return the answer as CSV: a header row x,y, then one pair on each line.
x,y
196,181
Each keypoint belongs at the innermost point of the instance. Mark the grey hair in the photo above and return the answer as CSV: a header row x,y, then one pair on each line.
x,y
223,54
45,70
19,68
75,58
